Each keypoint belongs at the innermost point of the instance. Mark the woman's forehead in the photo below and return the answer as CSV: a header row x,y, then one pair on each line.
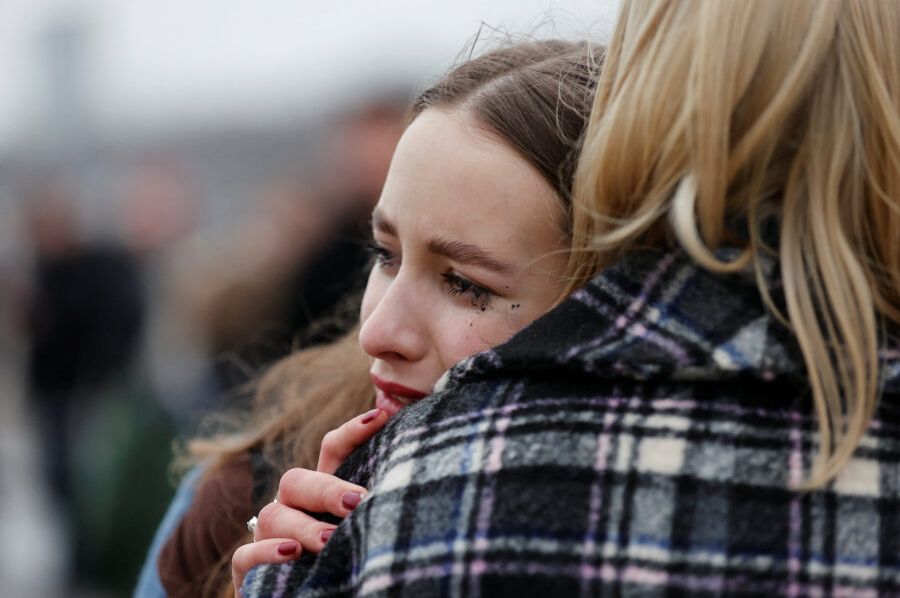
x,y
449,176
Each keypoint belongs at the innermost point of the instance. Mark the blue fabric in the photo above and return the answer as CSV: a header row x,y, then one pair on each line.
x,y
149,584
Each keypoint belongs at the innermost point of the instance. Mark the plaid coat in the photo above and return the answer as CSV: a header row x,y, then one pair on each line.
x,y
640,440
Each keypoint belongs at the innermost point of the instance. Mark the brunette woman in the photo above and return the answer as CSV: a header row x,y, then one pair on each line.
x,y
471,239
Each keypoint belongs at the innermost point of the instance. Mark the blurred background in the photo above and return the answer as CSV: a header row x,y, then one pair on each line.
x,y
182,189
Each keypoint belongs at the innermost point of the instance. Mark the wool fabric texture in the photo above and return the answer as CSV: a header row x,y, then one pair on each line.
x,y
641,439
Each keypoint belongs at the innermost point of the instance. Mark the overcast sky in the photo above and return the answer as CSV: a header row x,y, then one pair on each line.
x,y
162,64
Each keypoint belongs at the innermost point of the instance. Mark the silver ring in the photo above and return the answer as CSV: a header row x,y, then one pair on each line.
x,y
251,525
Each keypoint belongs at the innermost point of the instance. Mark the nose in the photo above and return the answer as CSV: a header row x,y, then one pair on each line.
x,y
393,330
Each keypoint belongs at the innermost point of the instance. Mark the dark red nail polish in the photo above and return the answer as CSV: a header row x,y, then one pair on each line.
x,y
351,499
326,533
287,548
370,416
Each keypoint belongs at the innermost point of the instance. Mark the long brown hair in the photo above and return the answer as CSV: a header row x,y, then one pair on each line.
x,y
712,116
534,96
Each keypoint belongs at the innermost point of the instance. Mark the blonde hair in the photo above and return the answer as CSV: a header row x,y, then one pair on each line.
x,y
710,117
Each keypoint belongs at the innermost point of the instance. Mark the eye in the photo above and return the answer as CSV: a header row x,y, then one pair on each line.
x,y
459,286
381,255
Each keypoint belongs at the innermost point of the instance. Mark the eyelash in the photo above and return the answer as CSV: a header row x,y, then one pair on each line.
x,y
382,256
455,284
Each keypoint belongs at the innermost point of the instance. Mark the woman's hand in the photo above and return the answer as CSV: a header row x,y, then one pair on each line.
x,y
283,530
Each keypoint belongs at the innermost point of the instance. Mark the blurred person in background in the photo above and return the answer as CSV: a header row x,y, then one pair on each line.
x,y
105,440
84,320
315,390
104,432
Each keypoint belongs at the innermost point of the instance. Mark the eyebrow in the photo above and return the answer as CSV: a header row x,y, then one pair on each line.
x,y
464,253
379,222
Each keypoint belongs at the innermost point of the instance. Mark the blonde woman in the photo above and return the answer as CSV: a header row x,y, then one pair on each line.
x,y
716,411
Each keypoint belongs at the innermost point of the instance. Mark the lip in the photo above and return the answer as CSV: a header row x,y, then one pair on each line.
x,y
398,390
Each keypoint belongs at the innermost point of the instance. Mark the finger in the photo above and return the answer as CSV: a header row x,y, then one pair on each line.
x,y
338,444
318,492
276,520
273,550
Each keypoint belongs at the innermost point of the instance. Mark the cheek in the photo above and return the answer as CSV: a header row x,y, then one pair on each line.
x,y
464,334
516,320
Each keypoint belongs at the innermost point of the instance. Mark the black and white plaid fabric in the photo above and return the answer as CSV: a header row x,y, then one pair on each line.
x,y
642,439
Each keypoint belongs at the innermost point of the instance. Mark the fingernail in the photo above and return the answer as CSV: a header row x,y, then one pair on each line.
x,y
371,415
286,548
326,533
351,499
